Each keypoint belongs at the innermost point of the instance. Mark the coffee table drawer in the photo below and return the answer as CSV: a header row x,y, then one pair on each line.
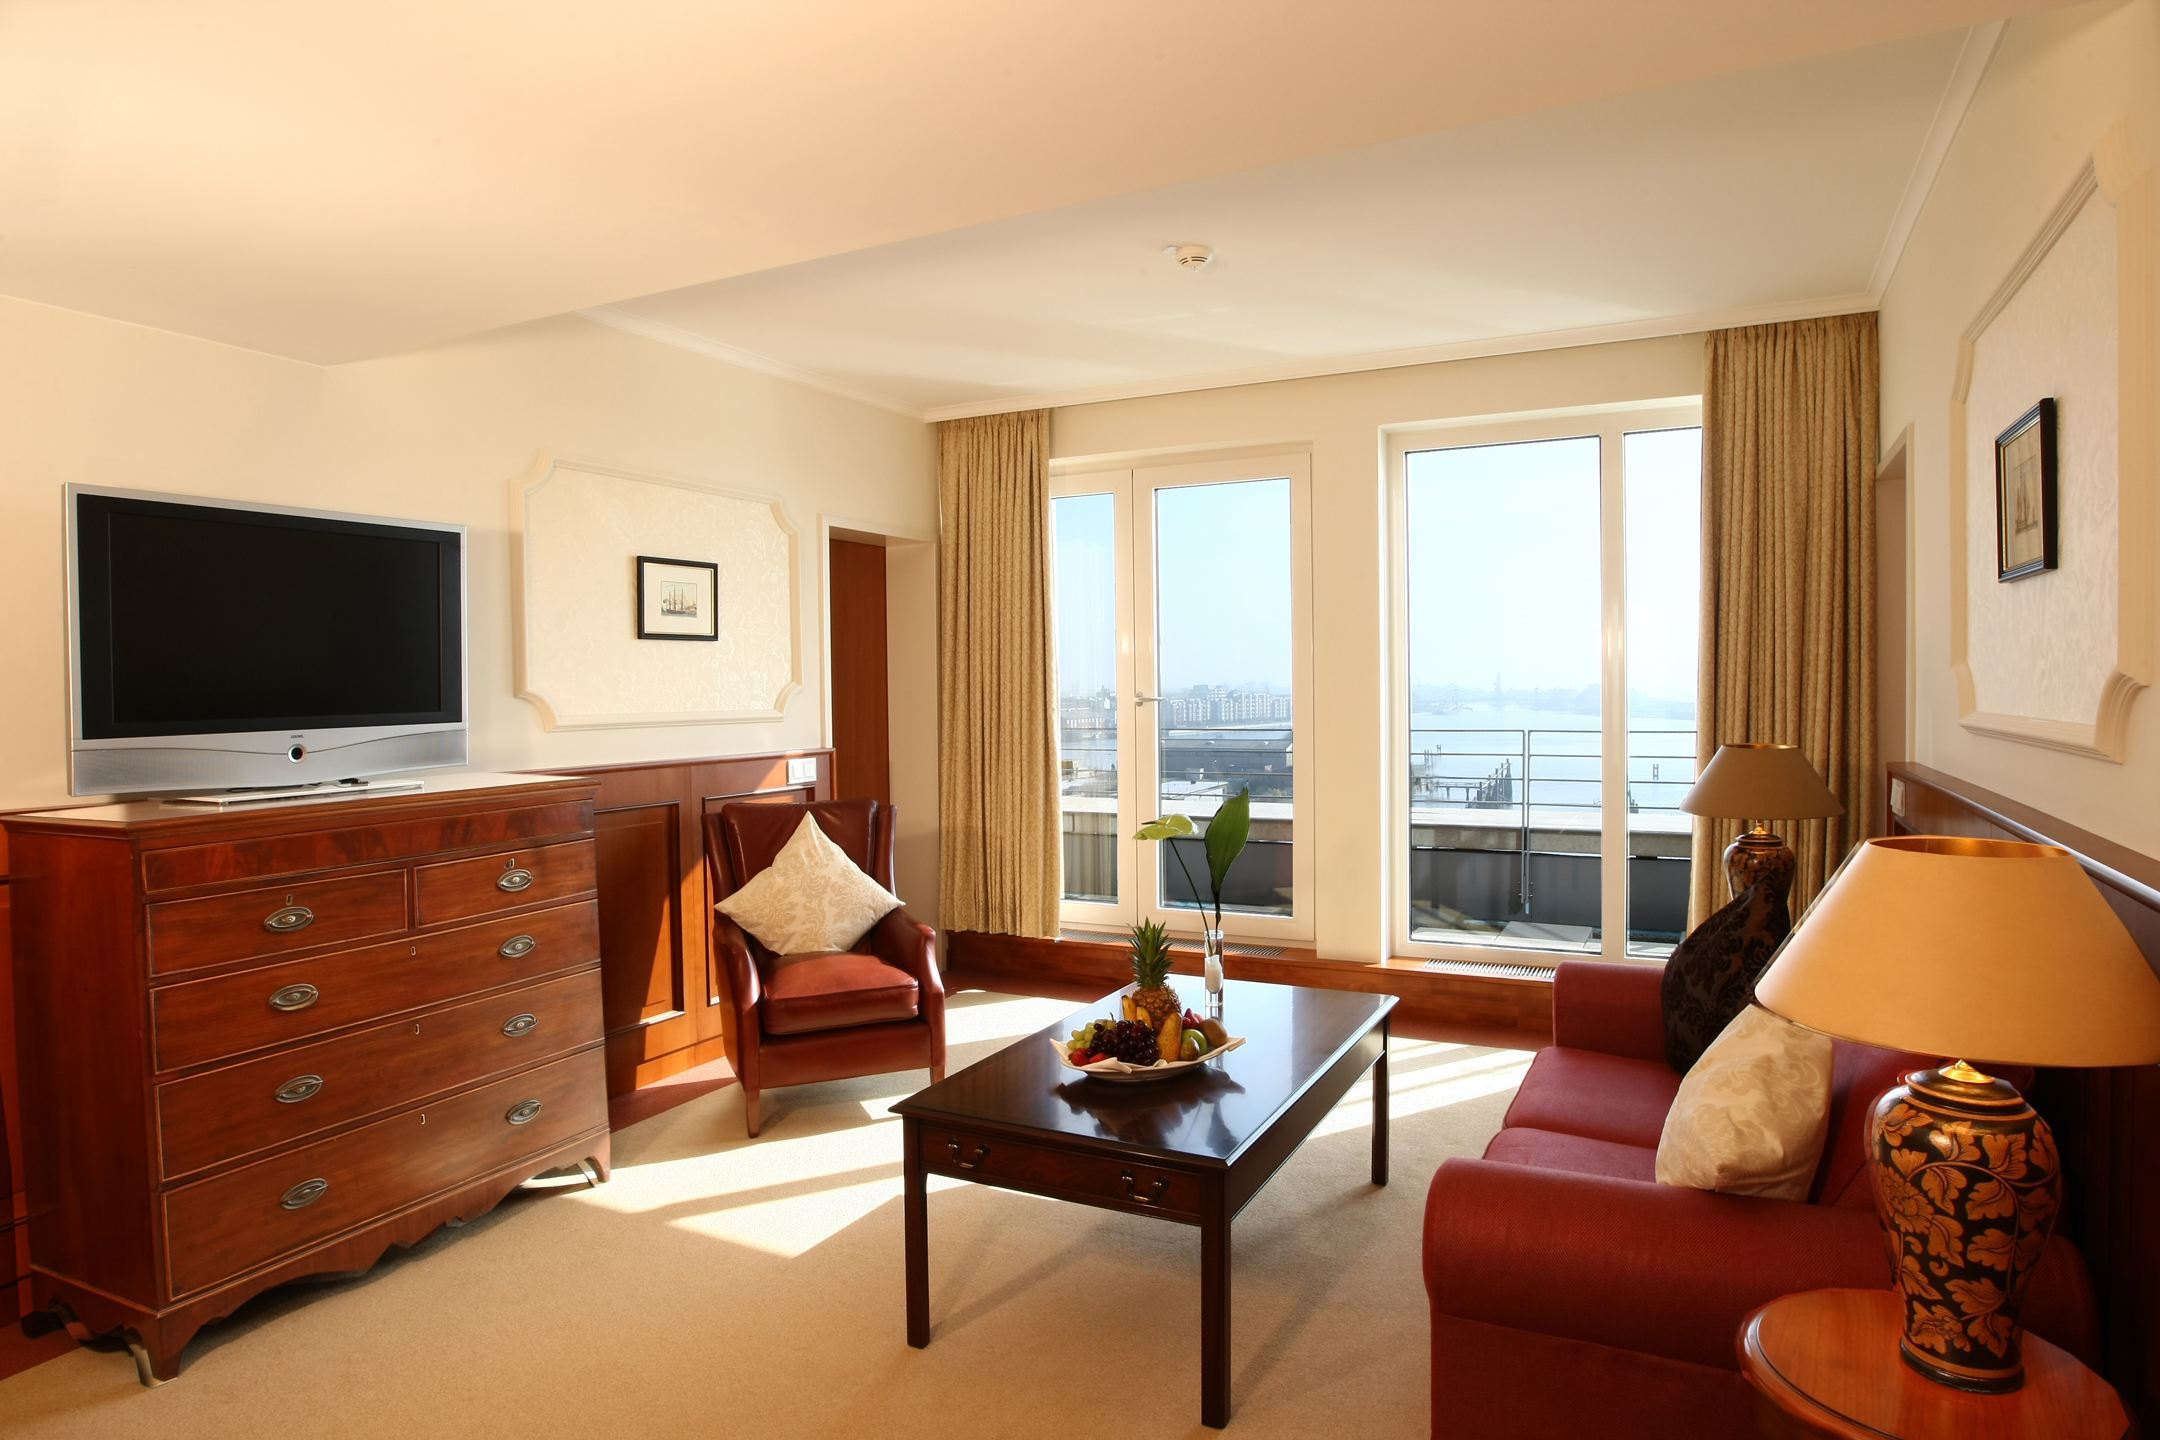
x,y
1094,1179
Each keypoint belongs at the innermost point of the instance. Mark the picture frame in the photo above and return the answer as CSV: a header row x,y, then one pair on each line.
x,y
2025,515
677,599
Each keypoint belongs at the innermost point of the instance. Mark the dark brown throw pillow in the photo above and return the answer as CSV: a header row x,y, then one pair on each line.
x,y
1712,973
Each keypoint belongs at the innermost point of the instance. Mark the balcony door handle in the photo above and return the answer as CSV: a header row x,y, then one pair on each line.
x,y
1147,699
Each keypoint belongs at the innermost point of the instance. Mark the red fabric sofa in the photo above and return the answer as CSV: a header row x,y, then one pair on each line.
x,y
1573,1294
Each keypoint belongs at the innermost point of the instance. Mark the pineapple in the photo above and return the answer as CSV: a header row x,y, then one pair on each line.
x,y
1151,971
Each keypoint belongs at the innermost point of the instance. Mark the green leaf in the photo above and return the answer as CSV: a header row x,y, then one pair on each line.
x,y
1226,835
1169,827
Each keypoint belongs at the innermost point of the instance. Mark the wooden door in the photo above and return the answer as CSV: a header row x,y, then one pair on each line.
x,y
862,745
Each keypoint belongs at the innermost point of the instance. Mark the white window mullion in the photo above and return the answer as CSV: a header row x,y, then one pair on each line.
x,y
1612,694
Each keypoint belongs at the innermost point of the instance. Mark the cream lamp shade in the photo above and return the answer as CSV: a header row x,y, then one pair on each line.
x,y
1760,782
1977,950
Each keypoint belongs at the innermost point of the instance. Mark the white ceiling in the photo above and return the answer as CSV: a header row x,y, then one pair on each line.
x,y
1771,192
331,182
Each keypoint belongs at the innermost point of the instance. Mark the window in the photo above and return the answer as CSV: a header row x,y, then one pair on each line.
x,y
1545,643
1183,643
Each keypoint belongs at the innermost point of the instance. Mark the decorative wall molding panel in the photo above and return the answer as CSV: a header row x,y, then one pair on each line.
x,y
577,530
2057,658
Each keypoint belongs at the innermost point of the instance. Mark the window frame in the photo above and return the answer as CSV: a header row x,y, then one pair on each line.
x,y
1134,488
1609,425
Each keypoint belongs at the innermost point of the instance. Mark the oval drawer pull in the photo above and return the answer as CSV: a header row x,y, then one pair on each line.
x,y
982,1148
523,1113
1155,1191
304,1194
286,920
514,880
294,997
518,1025
300,1087
517,947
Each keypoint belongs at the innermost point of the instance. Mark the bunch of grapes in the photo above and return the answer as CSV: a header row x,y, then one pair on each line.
x,y
1129,1040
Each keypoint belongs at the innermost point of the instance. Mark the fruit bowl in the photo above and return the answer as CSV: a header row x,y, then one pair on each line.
x,y
1160,1070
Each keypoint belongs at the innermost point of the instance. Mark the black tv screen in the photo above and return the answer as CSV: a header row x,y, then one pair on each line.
x,y
205,620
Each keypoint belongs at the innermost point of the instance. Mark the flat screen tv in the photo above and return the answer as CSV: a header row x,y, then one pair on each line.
x,y
218,646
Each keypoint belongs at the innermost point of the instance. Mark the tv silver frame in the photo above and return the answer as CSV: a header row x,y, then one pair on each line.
x,y
245,760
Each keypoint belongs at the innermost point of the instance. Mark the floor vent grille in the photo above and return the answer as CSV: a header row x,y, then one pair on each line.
x,y
1492,969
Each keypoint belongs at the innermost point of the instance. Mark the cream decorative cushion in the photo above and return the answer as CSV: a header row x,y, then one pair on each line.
x,y
1751,1115
812,897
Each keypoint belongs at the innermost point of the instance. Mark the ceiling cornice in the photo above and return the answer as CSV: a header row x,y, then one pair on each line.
x,y
705,345
1957,99
1651,329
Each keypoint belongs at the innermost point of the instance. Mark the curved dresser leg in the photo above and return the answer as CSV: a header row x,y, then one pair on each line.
x,y
147,1367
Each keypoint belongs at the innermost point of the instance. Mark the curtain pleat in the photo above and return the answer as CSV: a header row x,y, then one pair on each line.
x,y
1788,543
997,779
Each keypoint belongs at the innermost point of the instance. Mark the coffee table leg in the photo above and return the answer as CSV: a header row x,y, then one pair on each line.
x,y
1379,1109
1215,1309
915,1222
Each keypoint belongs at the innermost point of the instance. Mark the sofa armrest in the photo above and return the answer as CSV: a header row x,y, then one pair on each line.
x,y
1610,1006
899,939
1629,1264
1667,1270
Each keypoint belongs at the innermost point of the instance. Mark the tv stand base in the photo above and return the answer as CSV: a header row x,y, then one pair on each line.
x,y
328,790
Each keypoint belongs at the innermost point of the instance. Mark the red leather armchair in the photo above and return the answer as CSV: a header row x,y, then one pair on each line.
x,y
833,1015
1571,1293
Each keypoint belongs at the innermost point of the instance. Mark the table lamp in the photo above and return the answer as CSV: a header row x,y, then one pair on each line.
x,y
1755,784
2003,952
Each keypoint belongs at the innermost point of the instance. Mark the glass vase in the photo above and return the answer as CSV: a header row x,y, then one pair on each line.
x,y
1211,969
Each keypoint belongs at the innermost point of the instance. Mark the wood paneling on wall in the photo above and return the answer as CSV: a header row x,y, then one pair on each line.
x,y
661,993
14,1253
861,733
2105,1120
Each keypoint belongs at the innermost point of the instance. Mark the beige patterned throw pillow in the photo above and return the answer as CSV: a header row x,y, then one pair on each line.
x,y
812,897
1752,1113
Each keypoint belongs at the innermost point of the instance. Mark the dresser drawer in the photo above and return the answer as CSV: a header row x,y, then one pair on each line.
x,y
201,1020
208,1119
228,1224
1097,1179
189,934
461,889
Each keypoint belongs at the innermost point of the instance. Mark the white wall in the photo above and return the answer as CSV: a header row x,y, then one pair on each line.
x,y
439,434
2059,81
1339,419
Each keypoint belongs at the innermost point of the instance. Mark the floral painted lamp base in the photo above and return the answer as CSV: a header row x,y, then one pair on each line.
x,y
1968,1183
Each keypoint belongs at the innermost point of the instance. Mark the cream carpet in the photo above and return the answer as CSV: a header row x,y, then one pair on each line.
x,y
724,1287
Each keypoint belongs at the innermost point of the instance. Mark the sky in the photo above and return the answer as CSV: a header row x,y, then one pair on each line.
x,y
1503,572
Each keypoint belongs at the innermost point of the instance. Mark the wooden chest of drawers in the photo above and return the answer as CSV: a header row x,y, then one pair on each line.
x,y
276,1042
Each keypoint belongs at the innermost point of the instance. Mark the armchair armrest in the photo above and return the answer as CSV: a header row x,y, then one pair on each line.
x,y
732,949
1610,1006
899,939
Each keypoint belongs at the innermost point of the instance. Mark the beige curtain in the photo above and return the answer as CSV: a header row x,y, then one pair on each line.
x,y
1788,539
997,725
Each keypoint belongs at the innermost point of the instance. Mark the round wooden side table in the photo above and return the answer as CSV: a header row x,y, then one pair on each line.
x,y
1825,1363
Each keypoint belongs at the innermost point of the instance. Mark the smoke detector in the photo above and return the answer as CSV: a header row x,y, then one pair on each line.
x,y
1191,257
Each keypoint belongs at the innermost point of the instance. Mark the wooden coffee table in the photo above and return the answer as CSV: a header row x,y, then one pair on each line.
x,y
1193,1150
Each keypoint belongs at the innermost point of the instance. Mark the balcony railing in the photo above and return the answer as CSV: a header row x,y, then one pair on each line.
x,y
1504,824
1506,835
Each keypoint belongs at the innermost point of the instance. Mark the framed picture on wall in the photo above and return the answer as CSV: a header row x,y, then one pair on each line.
x,y
2025,494
677,599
